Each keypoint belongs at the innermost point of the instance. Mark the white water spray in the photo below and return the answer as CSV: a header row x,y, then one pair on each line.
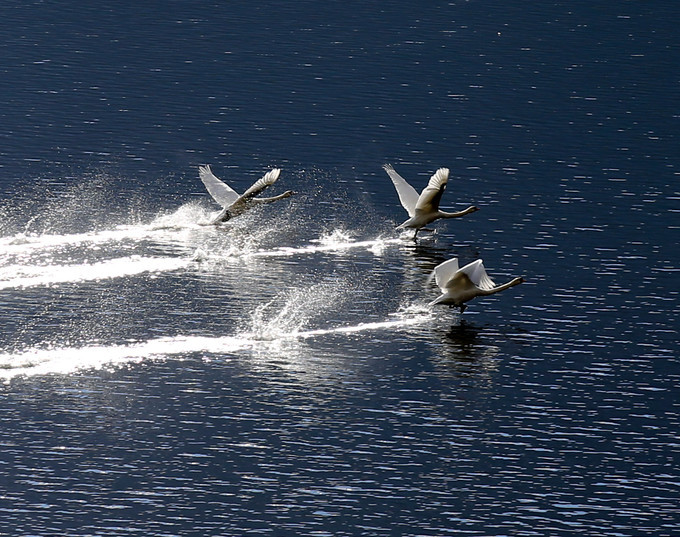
x,y
284,327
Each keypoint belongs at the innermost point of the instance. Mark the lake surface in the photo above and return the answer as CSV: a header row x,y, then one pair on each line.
x,y
283,374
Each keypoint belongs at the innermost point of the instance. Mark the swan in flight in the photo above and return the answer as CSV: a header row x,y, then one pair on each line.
x,y
424,208
460,285
233,204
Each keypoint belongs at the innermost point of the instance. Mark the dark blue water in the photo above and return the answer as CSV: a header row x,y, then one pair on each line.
x,y
284,375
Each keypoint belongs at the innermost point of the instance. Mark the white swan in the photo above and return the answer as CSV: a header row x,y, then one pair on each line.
x,y
424,208
233,204
460,285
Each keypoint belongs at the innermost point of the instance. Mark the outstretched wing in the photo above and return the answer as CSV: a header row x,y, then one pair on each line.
x,y
408,196
478,276
221,192
445,271
432,194
258,186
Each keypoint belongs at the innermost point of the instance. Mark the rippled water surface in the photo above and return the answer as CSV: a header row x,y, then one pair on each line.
x,y
283,374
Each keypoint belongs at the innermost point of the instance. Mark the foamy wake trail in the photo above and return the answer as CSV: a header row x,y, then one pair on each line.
x,y
289,315
23,243
27,275
364,327
23,276
67,360
376,246
336,241
186,218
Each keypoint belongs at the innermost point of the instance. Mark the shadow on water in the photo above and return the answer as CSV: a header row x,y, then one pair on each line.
x,y
463,348
462,337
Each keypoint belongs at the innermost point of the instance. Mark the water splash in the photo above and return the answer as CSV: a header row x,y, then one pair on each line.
x,y
336,238
191,215
286,316
413,309
341,239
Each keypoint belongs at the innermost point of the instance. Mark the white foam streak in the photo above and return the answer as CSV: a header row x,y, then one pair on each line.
x,y
13,277
186,218
363,327
376,246
23,243
240,252
66,360
24,275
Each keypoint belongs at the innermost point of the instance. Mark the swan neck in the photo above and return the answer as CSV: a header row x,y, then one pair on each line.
x,y
458,214
503,287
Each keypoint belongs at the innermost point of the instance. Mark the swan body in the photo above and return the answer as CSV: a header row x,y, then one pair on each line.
x,y
233,204
460,285
423,208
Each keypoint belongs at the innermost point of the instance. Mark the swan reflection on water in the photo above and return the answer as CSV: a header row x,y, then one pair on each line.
x,y
464,350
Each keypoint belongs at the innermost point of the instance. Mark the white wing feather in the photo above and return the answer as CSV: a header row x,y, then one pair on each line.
x,y
263,182
432,194
408,196
221,192
478,276
444,272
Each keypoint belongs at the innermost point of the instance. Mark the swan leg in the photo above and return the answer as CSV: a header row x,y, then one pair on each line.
x,y
463,307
